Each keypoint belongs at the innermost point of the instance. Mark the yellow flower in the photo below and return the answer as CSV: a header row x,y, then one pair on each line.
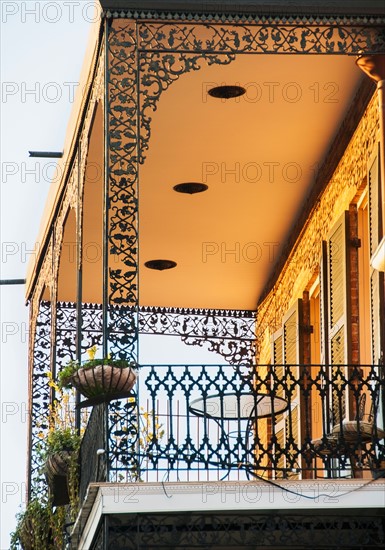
x,y
92,352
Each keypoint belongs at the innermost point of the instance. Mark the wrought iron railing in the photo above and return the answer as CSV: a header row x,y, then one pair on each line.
x,y
216,422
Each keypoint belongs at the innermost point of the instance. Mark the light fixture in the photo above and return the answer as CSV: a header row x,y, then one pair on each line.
x,y
190,187
160,265
226,92
377,261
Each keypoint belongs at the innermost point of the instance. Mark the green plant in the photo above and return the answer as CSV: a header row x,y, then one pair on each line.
x,y
66,373
138,438
59,446
62,435
38,527
60,457
61,440
64,377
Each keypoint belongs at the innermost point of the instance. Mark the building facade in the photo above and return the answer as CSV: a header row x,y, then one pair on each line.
x,y
223,185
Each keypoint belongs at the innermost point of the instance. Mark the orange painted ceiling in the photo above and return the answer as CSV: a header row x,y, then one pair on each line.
x,y
257,154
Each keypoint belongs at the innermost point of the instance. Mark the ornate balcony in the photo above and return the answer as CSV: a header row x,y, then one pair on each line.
x,y
149,121
228,423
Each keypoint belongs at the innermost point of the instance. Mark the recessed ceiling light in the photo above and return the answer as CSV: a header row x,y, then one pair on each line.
x,y
160,265
190,187
226,92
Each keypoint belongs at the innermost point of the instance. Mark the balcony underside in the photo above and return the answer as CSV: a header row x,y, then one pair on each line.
x,y
250,515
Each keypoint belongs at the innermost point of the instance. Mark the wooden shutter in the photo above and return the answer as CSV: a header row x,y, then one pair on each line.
x,y
277,362
324,329
293,345
324,320
338,297
376,277
324,304
287,353
292,358
278,387
375,218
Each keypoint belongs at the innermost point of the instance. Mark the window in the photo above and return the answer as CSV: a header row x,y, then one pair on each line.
x,y
335,310
287,355
376,278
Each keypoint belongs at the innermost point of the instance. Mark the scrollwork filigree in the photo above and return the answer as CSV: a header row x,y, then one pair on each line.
x,y
281,38
157,73
122,174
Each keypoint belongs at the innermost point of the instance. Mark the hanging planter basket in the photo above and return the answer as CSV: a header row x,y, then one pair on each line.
x,y
58,464
34,529
29,532
57,471
103,383
26,534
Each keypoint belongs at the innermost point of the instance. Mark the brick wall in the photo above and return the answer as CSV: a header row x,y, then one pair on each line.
x,y
303,262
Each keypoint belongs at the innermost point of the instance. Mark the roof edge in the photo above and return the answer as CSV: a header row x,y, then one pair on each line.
x,y
280,7
65,163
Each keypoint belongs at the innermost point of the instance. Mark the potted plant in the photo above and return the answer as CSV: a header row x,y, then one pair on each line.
x,y
33,530
99,379
39,526
61,458
59,448
61,444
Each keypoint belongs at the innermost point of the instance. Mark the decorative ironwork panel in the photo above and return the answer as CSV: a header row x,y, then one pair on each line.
x,y
266,38
236,352
92,326
40,398
92,330
65,351
244,530
122,178
123,441
157,72
66,320
200,323
226,332
231,334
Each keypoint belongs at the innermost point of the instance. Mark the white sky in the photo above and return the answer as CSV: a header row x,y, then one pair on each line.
x,y
42,48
